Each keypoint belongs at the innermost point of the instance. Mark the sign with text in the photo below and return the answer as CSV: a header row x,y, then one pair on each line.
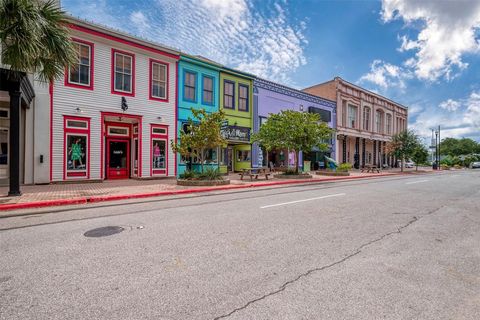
x,y
234,133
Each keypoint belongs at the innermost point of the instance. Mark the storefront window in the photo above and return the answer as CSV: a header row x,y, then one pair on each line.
x,y
76,153
76,148
158,154
243,155
159,149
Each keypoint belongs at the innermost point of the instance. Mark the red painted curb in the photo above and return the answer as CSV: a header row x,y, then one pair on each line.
x,y
45,203
84,200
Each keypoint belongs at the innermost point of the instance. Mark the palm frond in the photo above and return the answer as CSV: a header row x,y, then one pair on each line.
x,y
35,38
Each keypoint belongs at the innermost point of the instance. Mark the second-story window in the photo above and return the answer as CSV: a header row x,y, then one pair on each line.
x,y
243,98
352,116
389,124
378,121
207,96
158,80
189,88
124,68
366,118
228,95
80,73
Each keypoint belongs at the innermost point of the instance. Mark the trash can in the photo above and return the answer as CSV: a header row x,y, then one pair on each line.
x,y
306,166
434,166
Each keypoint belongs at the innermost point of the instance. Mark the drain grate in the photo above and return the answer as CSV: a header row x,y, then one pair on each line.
x,y
103,231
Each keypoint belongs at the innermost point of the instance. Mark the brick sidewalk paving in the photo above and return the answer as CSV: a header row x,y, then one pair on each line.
x,y
36,193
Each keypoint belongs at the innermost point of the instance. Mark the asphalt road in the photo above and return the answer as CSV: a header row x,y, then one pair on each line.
x,y
389,248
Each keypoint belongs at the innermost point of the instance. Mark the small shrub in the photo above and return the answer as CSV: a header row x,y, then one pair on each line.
x,y
290,171
211,174
457,166
344,167
188,175
445,167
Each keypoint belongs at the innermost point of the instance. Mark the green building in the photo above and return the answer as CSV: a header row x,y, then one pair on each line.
x,y
236,100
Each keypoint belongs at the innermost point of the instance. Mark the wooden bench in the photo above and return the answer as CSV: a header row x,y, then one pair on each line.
x,y
254,172
370,168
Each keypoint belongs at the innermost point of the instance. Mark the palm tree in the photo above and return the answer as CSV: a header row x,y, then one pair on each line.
x,y
34,38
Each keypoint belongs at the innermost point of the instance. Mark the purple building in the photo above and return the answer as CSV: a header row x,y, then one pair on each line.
x,y
270,98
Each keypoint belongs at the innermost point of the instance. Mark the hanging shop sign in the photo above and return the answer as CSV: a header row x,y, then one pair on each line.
x,y
234,133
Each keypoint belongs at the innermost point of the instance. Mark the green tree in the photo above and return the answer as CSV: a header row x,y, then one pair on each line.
x,y
203,132
34,38
419,155
403,145
458,147
293,130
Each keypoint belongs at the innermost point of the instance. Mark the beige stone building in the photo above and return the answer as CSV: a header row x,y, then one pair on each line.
x,y
366,121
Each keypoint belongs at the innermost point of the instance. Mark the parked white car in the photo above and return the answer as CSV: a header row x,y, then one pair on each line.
x,y
409,164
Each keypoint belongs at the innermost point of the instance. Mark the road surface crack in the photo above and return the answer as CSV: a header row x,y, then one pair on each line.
x,y
309,272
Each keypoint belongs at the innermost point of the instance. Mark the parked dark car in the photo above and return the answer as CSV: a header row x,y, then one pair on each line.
x,y
475,165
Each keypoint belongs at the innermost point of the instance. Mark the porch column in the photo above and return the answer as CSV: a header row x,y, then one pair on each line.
x,y
356,163
344,151
14,156
363,152
374,152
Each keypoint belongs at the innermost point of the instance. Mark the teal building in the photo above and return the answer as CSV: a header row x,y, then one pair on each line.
x,y
198,88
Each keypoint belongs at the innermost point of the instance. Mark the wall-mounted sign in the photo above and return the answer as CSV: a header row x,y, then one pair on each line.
x,y
234,133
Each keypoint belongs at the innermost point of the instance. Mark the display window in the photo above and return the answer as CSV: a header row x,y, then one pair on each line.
x,y
243,155
159,150
77,147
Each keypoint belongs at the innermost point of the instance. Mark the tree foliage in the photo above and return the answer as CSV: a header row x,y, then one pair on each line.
x,y
403,145
293,130
420,154
203,132
34,38
458,147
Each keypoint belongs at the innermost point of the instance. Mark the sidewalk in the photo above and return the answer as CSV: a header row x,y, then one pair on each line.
x,y
72,193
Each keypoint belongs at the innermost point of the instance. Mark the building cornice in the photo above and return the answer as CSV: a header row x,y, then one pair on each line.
x,y
282,89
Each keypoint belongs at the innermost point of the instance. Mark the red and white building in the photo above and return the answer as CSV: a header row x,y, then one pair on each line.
x,y
113,114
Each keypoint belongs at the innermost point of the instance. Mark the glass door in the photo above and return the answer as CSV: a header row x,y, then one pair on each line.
x,y
118,160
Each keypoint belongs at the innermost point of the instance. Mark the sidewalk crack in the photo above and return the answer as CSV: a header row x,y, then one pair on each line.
x,y
309,272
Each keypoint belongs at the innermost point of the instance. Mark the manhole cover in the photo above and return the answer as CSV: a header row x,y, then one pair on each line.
x,y
103,232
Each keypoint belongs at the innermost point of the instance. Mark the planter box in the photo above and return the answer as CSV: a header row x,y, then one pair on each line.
x,y
202,183
332,173
292,176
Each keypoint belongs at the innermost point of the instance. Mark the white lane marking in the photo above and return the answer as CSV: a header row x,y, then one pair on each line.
x,y
303,200
420,181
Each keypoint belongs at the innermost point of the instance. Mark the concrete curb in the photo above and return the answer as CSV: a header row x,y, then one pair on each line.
x,y
90,199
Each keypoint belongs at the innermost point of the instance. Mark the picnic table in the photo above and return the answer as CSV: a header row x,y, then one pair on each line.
x,y
370,168
254,172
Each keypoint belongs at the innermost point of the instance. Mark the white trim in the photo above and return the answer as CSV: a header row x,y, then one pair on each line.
x,y
89,66
160,81
86,135
118,134
123,66
80,128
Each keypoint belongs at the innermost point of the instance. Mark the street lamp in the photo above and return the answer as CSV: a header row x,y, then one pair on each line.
x,y
437,147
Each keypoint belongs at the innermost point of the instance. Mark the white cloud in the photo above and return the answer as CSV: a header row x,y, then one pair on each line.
x,y
447,31
461,120
232,32
450,105
386,75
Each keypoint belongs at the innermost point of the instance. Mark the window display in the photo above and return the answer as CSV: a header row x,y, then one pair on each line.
x,y
159,151
76,152
243,155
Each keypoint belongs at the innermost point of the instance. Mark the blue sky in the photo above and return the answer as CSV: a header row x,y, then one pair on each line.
x,y
423,54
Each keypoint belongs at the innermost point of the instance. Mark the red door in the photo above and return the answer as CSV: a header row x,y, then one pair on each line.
x,y
118,158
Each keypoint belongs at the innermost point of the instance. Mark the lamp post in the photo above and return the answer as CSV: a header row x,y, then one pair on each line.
x,y
437,147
